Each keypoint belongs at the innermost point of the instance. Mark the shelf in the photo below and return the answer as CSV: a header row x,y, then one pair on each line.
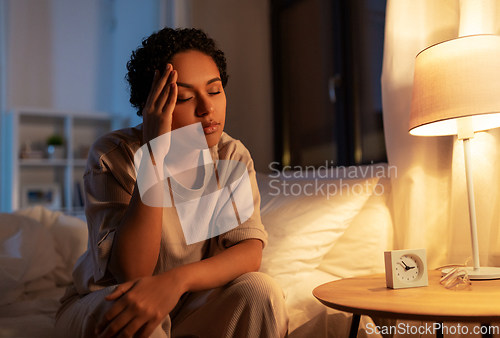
x,y
56,183
42,162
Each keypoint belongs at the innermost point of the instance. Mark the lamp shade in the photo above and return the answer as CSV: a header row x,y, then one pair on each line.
x,y
454,79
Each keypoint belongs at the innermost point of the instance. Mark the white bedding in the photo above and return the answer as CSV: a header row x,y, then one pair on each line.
x,y
314,239
38,249
311,241
309,318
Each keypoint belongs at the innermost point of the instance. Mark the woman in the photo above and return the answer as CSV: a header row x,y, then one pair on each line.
x,y
170,287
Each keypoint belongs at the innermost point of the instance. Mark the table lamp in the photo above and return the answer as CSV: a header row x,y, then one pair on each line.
x,y
456,91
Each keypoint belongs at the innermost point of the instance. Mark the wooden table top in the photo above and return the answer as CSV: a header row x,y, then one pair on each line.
x,y
368,295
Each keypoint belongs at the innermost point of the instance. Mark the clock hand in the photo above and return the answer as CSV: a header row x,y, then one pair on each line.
x,y
405,266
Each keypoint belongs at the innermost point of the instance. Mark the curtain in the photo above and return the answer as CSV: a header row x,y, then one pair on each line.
x,y
429,202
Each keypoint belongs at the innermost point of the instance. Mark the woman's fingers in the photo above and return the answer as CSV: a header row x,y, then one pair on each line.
x,y
157,114
119,324
165,99
132,328
120,290
138,307
116,309
127,317
172,97
156,77
157,88
111,320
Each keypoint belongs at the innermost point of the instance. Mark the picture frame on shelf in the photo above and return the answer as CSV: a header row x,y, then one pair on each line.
x,y
46,195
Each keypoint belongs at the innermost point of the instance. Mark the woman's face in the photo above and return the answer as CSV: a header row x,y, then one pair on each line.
x,y
201,97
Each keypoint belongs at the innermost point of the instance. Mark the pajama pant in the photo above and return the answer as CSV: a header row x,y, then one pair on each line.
x,y
252,306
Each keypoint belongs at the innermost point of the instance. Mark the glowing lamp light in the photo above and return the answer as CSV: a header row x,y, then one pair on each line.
x,y
456,91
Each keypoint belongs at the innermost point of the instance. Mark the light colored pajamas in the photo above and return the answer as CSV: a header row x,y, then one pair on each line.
x,y
252,305
249,306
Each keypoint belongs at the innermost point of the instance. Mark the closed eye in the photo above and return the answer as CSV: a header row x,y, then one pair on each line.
x,y
183,100
214,93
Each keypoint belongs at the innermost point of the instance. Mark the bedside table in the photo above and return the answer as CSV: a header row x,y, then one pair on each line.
x,y
368,295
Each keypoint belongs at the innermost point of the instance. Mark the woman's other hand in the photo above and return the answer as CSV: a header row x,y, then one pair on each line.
x,y
139,306
157,113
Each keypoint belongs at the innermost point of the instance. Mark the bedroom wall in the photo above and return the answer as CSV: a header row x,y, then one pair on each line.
x,y
242,30
29,49
70,54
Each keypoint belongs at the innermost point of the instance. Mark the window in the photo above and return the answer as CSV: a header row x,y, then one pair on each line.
x,y
327,63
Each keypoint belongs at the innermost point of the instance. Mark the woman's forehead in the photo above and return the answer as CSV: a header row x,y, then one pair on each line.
x,y
194,66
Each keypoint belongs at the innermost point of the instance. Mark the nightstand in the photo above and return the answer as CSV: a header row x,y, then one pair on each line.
x,y
368,295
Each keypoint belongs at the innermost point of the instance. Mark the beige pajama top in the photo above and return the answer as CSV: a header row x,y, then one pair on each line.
x,y
109,182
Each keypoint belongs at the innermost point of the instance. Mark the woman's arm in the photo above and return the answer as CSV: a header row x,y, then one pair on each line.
x,y
141,305
219,270
136,245
137,239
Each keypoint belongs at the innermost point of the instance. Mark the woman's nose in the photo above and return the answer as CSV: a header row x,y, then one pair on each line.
x,y
204,107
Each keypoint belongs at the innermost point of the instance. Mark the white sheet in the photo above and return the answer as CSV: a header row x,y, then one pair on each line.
x,y
310,318
26,253
38,249
52,242
33,313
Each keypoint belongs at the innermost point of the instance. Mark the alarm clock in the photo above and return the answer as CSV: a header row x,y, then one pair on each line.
x,y
405,268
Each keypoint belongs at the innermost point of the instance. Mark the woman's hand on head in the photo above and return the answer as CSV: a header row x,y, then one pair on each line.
x,y
159,107
139,306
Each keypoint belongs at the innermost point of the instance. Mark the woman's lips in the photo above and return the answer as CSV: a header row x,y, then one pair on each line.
x,y
210,128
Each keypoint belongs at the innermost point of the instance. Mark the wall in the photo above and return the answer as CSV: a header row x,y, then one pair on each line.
x,y
29,53
68,55
242,30
71,55
133,21
59,53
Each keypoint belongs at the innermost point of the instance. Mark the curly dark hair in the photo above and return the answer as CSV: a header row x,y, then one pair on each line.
x,y
159,49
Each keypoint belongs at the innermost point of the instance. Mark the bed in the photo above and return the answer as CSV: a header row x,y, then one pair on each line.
x,y
314,237
38,250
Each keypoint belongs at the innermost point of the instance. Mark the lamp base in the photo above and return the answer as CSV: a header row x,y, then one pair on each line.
x,y
482,273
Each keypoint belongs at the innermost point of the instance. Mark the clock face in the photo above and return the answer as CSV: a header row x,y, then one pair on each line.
x,y
407,268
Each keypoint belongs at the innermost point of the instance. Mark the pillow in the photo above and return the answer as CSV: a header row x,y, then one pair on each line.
x,y
70,239
26,253
304,219
359,251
